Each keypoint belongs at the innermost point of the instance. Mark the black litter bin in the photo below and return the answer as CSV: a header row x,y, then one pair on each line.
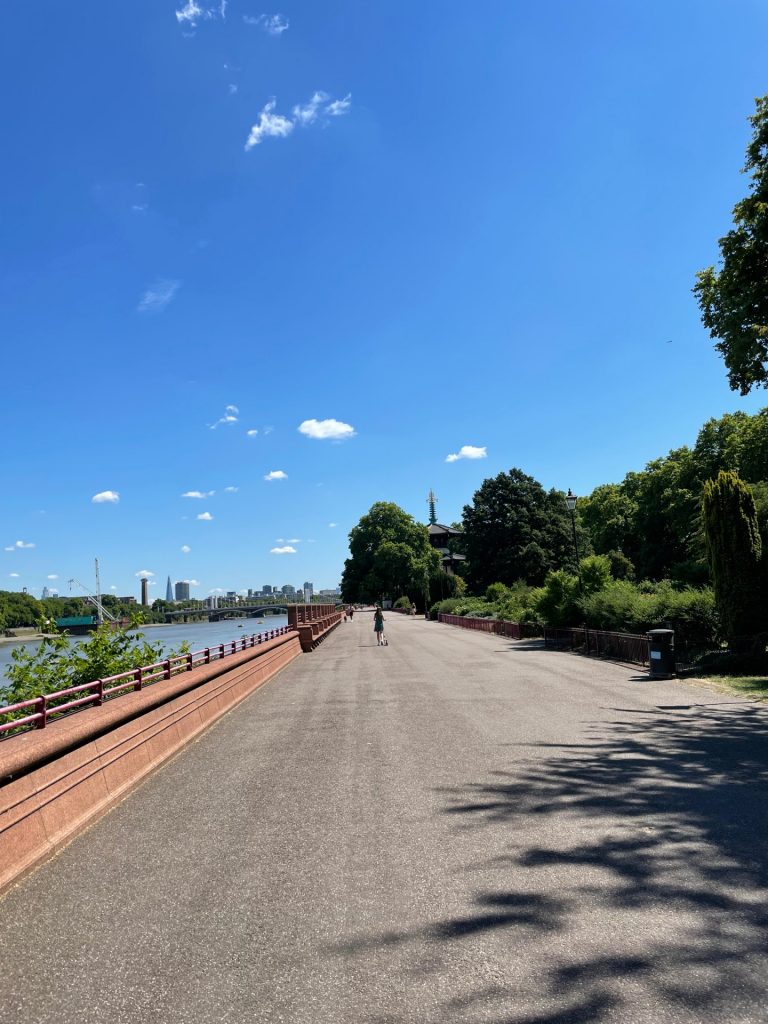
x,y
661,653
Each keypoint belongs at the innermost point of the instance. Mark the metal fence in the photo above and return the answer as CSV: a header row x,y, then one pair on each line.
x,y
626,647
21,716
499,627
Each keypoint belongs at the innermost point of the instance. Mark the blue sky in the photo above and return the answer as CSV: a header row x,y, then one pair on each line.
x,y
444,226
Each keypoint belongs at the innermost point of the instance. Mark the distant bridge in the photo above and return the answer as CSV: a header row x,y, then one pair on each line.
x,y
225,612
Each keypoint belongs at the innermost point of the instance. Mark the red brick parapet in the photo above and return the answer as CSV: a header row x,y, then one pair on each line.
x,y
55,782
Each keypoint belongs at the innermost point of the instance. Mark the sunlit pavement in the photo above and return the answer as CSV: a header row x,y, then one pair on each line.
x,y
454,827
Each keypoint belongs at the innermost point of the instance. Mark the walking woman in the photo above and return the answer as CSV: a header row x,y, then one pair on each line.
x,y
378,625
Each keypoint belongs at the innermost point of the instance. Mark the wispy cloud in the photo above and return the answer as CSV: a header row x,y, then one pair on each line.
x,y
276,474
231,490
468,451
191,13
339,107
293,540
233,89
192,583
287,550
198,494
325,430
272,24
333,525
13,575
308,112
53,576
316,109
19,545
158,296
144,574
269,125
185,548
251,433
106,497
231,415
205,516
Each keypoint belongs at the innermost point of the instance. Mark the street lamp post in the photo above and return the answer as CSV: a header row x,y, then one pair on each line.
x,y
570,501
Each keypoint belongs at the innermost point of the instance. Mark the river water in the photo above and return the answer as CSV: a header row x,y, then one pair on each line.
x,y
197,634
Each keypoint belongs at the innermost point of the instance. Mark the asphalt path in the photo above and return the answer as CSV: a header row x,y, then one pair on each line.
x,y
455,827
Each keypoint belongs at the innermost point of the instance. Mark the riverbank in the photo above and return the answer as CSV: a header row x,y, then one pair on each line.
x,y
26,638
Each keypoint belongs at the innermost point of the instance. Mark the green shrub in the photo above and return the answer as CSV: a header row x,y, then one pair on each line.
x,y
403,602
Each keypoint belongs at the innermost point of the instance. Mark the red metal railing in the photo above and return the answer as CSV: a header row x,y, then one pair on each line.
x,y
499,627
92,694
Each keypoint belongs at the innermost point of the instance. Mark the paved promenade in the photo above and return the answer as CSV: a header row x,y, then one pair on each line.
x,y
452,828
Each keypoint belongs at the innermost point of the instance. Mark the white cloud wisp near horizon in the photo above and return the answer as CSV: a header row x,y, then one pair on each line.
x,y
326,430
287,550
276,474
468,451
106,497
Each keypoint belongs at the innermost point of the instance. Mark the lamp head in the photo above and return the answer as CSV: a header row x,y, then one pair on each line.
x,y
570,500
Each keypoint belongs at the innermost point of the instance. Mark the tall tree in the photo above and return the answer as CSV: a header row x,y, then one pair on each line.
x,y
390,555
515,530
734,549
734,299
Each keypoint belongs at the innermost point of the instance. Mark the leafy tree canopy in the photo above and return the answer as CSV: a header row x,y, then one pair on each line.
x,y
390,555
734,299
515,530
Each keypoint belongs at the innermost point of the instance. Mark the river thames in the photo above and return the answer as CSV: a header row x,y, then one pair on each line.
x,y
197,635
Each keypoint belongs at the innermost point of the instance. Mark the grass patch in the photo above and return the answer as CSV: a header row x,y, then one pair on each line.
x,y
747,686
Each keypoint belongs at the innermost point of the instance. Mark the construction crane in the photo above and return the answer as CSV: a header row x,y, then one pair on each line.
x,y
95,599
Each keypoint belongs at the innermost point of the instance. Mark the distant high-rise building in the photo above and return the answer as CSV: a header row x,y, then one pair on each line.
x,y
266,590
182,590
169,590
144,590
46,593
309,590
288,590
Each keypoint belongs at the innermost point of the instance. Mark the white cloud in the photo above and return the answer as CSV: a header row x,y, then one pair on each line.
x,y
251,433
113,587
191,13
269,125
308,113
217,590
205,516
158,295
185,548
276,474
21,544
231,414
468,451
231,490
232,89
108,497
339,107
332,525
272,24
11,547
317,108
144,574
53,576
192,583
198,494
268,430
293,540
13,575
323,430
287,550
